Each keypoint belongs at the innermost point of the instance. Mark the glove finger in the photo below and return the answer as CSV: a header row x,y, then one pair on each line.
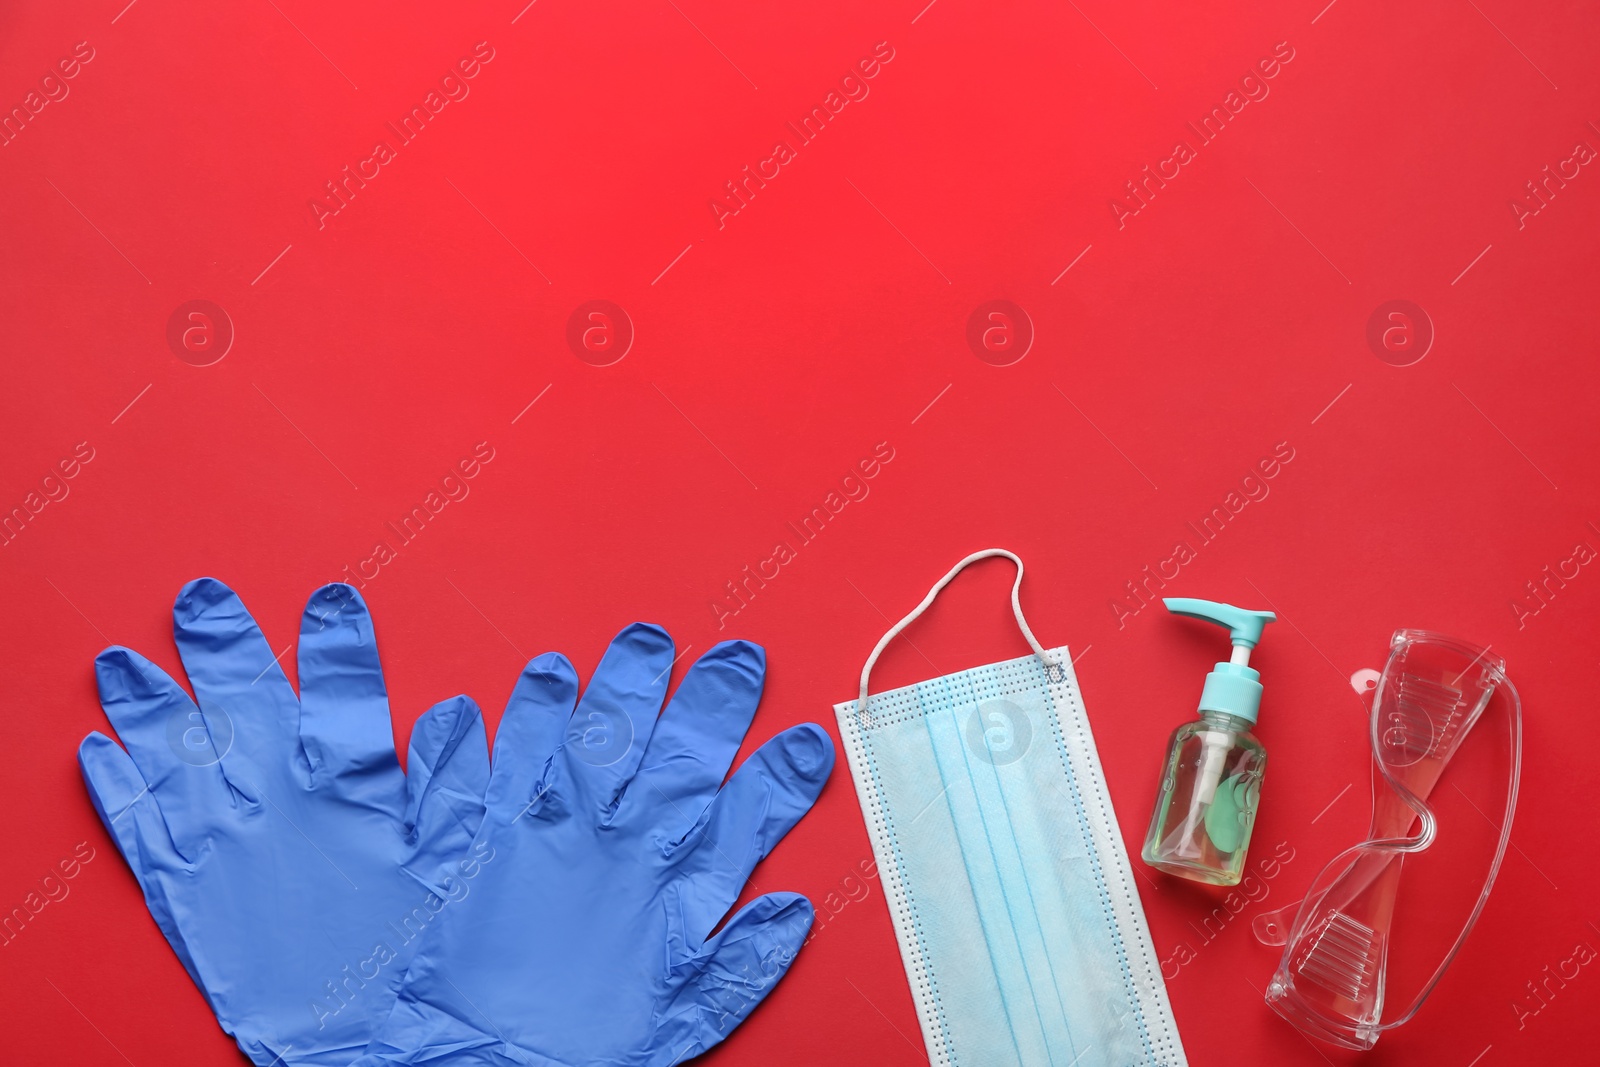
x,y
344,707
608,733
175,748
733,972
133,818
233,670
116,790
698,735
447,771
767,795
530,731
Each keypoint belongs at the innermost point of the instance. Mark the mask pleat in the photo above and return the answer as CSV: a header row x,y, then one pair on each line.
x,y
1018,948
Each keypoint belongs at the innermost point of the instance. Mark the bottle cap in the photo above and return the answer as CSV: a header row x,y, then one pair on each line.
x,y
1234,687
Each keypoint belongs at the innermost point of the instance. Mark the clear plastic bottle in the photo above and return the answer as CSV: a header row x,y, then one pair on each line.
x,y
1206,805
1211,781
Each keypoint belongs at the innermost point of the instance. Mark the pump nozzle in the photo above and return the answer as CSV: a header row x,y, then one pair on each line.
x,y
1233,687
1246,626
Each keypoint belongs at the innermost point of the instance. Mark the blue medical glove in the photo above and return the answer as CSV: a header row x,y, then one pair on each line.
x,y
609,855
288,860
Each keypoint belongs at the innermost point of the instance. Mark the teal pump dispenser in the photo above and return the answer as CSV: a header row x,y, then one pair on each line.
x,y
1211,781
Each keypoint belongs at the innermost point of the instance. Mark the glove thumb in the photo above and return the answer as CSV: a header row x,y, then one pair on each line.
x,y
732,972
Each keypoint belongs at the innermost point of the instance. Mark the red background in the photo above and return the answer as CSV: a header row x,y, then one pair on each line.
x,y
826,316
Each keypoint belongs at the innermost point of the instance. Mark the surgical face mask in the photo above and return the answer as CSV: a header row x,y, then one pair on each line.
x,y
1013,902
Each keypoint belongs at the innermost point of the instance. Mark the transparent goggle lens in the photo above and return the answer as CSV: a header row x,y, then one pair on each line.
x,y
1383,920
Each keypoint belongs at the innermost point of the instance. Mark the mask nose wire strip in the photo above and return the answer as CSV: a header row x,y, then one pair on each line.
x,y
938,587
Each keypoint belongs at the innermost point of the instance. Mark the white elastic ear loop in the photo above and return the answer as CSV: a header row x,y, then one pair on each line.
x,y
927,601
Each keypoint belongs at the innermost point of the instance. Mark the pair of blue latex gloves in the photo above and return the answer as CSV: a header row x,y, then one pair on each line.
x,y
554,910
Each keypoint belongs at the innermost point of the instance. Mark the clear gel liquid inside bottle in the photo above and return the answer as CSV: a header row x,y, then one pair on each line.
x,y
1206,805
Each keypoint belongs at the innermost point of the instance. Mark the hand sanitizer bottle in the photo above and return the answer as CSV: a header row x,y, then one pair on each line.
x,y
1211,781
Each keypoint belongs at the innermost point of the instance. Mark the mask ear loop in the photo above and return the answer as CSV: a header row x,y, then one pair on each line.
x,y
927,601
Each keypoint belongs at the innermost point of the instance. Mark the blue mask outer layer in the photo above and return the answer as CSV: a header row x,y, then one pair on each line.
x,y
1006,875
617,848
289,861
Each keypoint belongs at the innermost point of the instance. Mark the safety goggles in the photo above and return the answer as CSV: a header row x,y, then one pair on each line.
x,y
1365,948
